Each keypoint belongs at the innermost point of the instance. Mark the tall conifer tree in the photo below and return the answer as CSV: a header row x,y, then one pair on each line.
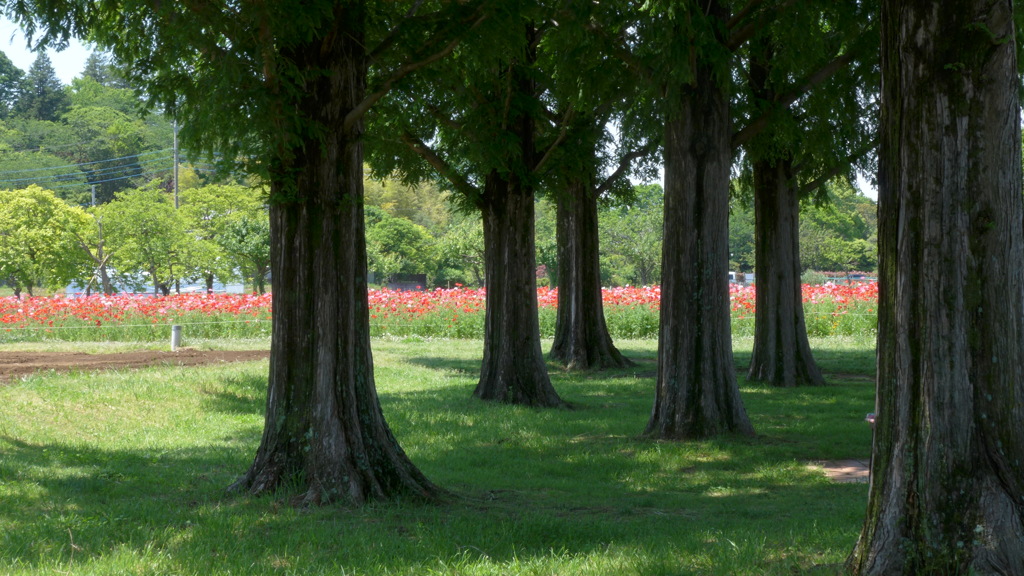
x,y
42,94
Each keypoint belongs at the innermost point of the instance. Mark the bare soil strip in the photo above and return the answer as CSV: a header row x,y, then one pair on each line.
x,y
18,364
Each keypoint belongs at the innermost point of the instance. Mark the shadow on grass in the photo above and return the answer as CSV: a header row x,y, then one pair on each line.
x,y
540,486
168,511
243,394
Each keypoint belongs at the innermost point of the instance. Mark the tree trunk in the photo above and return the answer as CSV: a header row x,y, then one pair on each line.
x,y
259,282
581,334
324,427
105,284
697,393
782,354
101,260
947,488
513,369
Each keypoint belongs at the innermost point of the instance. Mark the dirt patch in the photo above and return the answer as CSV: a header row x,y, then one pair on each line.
x,y
17,364
845,471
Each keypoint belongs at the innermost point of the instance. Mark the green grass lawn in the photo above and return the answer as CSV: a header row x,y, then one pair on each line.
x,y
124,473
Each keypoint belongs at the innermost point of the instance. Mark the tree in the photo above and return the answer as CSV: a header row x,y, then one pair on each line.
x,y
806,114
103,70
587,91
90,240
281,87
209,212
581,340
475,124
421,203
461,252
37,246
150,238
697,395
741,235
42,95
11,78
24,169
246,242
841,233
400,240
88,92
947,486
110,148
631,234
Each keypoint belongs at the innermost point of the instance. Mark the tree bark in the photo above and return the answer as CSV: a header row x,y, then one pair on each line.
x,y
697,394
581,339
513,369
324,427
947,488
782,354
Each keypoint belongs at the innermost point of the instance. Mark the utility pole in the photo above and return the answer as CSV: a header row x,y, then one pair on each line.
x,y
174,124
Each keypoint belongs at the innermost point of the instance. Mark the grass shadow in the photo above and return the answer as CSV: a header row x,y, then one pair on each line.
x,y
544,491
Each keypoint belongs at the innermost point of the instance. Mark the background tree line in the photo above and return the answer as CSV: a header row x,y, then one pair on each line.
x,y
90,136
137,241
419,232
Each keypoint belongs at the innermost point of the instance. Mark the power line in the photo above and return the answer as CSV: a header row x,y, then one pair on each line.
x,y
79,165
89,174
127,177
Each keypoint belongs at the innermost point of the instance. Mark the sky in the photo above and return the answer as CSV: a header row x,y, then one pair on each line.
x,y
68,64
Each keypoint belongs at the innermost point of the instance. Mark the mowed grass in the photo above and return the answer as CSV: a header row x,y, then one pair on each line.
x,y
125,473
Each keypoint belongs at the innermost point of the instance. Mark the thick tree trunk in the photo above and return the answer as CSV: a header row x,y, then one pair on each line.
x,y
947,488
513,369
581,334
324,427
697,393
782,354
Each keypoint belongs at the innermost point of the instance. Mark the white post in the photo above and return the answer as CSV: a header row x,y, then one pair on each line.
x,y
175,337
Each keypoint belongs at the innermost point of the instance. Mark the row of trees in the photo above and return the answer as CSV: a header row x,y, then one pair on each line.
x,y
498,98
137,241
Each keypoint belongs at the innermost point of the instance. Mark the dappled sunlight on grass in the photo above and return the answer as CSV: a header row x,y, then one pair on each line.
x,y
117,473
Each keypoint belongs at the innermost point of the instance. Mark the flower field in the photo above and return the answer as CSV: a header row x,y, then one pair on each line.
x,y
631,312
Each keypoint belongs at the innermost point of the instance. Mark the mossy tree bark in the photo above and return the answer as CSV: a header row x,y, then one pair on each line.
x,y
947,488
697,394
324,426
581,339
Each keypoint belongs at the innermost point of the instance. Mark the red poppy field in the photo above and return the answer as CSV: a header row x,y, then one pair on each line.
x,y
631,312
